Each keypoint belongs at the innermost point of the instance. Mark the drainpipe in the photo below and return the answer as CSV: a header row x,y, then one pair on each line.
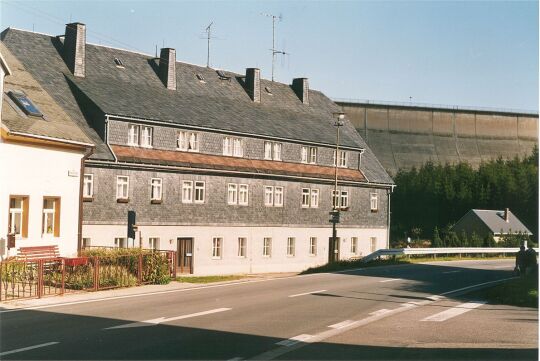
x,y
107,138
388,216
87,154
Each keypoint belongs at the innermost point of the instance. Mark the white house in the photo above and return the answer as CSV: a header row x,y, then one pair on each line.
x,y
41,154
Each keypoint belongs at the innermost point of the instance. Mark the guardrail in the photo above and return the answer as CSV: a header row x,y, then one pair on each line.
x,y
438,251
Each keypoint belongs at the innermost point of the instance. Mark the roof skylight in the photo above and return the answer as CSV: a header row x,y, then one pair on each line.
x,y
200,77
25,103
119,63
222,75
268,90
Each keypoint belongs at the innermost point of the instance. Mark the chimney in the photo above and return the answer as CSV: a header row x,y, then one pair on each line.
x,y
507,214
253,84
167,67
301,88
75,48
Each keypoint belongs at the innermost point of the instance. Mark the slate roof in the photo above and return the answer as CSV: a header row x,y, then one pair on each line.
x,y
198,160
137,91
494,220
55,123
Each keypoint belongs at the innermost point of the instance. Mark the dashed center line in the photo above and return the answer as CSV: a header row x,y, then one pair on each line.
x,y
391,280
28,348
454,311
306,293
341,324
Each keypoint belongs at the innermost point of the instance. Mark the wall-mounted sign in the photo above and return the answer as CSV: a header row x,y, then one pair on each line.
x,y
73,173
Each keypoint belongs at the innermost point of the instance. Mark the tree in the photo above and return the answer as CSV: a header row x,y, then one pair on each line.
x,y
437,241
489,241
475,240
464,241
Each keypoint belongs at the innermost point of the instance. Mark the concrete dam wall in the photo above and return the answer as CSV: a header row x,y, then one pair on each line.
x,y
406,136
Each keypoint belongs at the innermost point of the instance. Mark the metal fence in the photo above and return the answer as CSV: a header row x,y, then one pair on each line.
x,y
56,276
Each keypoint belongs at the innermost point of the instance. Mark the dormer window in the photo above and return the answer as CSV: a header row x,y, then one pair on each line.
x,y
233,147
268,90
200,77
25,104
187,141
140,135
118,63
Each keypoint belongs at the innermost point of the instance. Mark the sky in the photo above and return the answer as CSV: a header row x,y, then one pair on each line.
x,y
472,54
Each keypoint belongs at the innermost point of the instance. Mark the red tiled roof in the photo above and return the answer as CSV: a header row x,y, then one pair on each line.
x,y
198,160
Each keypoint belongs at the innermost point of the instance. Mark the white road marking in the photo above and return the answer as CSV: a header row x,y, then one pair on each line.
x,y
447,272
306,293
391,280
380,312
28,348
294,340
496,267
473,286
435,298
341,324
454,311
157,321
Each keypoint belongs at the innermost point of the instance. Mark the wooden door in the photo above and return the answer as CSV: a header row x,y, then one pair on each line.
x,y
185,255
333,249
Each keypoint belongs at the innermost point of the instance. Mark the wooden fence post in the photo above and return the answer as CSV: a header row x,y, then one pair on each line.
x,y
40,278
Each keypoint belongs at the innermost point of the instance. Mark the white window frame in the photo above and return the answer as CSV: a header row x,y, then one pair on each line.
x,y
342,162
243,194
134,134
291,246
120,182
232,193
199,192
13,212
228,146
312,246
314,198
187,141
312,155
146,136
156,184
217,247
374,201
276,151
306,197
88,185
268,150
267,247
153,243
238,147
304,154
46,212
242,247
279,200
120,242
354,245
344,199
193,142
269,196
187,191
86,242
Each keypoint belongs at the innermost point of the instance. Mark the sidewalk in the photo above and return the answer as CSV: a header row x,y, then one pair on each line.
x,y
89,296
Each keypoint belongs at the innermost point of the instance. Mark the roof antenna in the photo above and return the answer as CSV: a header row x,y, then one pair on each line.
x,y
208,37
274,50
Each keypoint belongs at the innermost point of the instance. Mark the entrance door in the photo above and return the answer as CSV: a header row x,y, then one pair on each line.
x,y
185,255
333,249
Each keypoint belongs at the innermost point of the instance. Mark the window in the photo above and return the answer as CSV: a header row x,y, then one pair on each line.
x,y
199,191
122,187
342,199
153,243
233,147
342,161
312,246
187,141
267,247
242,242
51,217
310,198
146,136
373,242
24,102
354,245
86,242
88,186
309,155
133,134
18,216
305,197
232,193
216,247
243,195
290,246
278,196
187,192
155,189
374,202
119,63
268,196
120,242
200,77
272,151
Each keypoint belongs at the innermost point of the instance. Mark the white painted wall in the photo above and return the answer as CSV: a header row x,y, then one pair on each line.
x,y
230,263
37,172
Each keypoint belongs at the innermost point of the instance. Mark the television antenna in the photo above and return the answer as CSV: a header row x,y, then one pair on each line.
x,y
208,37
274,50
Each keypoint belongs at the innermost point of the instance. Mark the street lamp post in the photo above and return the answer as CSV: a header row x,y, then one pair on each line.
x,y
333,247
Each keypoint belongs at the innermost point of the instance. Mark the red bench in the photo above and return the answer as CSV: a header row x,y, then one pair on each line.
x,y
38,252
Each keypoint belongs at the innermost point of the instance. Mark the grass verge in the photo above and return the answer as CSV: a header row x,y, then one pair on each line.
x,y
208,279
521,292
351,264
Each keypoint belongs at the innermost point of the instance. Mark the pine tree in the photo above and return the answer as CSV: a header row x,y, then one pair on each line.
x,y
437,241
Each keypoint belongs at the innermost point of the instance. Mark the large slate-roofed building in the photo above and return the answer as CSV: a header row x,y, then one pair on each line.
x,y
234,172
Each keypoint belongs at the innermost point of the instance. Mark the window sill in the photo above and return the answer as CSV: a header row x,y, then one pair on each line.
x,y
374,211
88,199
122,200
344,209
216,258
156,201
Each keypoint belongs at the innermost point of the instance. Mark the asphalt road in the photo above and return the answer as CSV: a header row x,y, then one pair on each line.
x,y
375,313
